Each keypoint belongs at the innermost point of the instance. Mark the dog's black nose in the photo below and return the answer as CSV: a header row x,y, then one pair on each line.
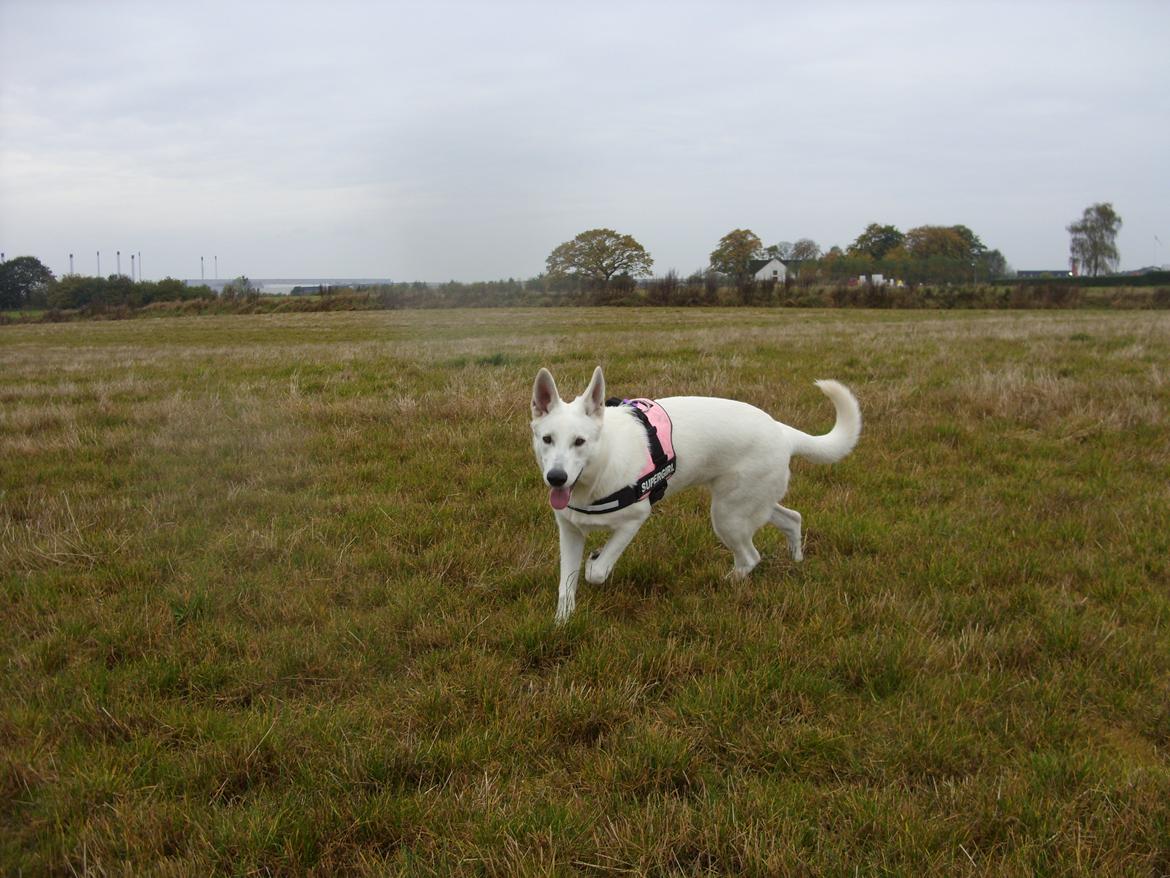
x,y
557,477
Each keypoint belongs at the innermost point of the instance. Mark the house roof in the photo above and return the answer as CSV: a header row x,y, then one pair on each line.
x,y
756,264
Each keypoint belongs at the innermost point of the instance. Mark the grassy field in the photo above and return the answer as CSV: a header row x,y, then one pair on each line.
x,y
278,597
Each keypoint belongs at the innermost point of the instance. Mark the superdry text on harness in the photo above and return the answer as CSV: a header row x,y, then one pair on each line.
x,y
659,467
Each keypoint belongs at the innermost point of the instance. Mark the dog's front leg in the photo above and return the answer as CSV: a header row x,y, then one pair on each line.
x,y
572,547
600,563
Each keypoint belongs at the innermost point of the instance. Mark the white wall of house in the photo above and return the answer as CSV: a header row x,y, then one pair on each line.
x,y
774,270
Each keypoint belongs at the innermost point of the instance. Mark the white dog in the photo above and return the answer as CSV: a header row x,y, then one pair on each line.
x,y
606,465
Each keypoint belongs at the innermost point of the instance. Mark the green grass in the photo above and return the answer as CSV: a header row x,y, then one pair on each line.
x,y
278,597
28,314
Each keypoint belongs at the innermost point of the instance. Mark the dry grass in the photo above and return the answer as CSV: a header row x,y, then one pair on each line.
x,y
278,595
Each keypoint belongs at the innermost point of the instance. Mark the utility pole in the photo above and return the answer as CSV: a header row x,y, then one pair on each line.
x,y
118,262
99,253
140,266
131,268
71,263
201,275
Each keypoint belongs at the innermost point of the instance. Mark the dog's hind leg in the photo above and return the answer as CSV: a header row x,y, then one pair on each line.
x,y
736,526
788,520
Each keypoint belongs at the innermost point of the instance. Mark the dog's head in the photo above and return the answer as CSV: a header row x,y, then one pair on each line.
x,y
565,434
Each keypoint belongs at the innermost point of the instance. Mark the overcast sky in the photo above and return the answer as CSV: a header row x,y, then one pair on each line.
x,y
439,140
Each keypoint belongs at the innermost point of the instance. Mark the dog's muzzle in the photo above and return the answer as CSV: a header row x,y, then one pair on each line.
x,y
556,477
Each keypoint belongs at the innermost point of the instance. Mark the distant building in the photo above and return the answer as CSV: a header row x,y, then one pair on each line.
x,y
1149,269
1055,272
769,269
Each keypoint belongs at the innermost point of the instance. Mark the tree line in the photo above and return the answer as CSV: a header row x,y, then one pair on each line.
x,y
600,258
602,266
25,282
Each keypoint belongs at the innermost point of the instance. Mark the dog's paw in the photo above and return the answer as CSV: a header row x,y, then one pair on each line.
x,y
595,571
564,611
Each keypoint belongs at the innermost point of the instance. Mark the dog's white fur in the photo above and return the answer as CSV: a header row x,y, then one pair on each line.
x,y
738,451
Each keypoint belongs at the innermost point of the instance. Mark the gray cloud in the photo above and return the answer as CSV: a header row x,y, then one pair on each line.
x,y
465,140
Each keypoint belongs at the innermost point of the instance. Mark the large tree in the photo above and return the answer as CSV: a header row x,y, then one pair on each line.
x,y
598,256
876,241
1094,239
22,278
734,255
949,242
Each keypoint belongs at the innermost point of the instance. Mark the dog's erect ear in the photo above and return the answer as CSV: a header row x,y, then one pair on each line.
x,y
544,394
595,394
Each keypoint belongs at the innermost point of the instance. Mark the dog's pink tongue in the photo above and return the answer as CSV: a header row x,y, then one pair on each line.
x,y
559,498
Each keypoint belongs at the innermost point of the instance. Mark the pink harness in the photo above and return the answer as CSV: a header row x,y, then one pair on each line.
x,y
661,427
660,462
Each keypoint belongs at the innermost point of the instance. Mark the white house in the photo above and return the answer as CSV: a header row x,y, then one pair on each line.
x,y
769,269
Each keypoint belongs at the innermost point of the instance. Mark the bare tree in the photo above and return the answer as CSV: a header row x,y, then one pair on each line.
x,y
805,248
1094,239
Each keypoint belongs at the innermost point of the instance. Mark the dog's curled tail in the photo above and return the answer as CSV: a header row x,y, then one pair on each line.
x,y
839,441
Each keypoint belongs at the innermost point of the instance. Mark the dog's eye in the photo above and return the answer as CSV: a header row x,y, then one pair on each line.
x,y
547,440
578,441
